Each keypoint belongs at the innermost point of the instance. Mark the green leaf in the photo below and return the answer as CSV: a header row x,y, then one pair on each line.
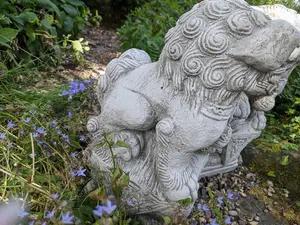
x,y
76,45
98,194
49,5
218,213
298,203
124,181
71,10
122,144
46,23
101,144
30,33
75,2
116,173
167,220
68,24
185,202
7,35
285,160
271,174
4,20
29,17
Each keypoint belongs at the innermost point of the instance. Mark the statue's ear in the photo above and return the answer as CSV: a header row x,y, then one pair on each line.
x,y
269,48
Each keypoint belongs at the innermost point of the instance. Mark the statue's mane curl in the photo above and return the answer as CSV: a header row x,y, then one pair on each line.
x,y
194,59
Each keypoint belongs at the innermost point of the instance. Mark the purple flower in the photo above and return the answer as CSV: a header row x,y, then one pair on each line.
x,y
98,211
81,87
227,220
66,138
41,130
230,196
74,85
27,120
109,208
44,223
82,138
74,154
204,208
199,206
55,196
220,200
31,155
33,111
74,173
10,124
64,92
31,222
80,172
130,203
214,222
66,218
2,136
53,123
35,135
59,132
70,114
22,213
49,214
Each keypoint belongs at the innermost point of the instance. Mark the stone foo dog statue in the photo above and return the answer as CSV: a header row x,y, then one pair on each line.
x,y
191,113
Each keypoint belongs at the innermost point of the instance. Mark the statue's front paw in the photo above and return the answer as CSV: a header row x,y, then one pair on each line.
x,y
188,189
258,121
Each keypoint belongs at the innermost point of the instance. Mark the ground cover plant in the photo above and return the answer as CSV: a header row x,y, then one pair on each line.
x,y
42,166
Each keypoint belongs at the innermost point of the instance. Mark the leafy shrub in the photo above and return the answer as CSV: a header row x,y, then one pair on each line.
x,y
31,29
146,26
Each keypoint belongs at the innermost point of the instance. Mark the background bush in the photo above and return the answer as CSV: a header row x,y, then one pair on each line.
x,y
146,26
31,29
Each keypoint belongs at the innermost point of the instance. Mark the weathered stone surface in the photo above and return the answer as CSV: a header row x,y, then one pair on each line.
x,y
191,113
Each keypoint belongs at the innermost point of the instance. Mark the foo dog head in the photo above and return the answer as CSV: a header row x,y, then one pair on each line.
x,y
222,48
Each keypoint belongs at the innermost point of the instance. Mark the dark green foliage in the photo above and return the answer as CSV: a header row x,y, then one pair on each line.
x,y
31,29
146,26
288,3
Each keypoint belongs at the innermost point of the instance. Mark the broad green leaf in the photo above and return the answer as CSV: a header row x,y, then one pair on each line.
x,y
46,23
271,174
71,10
285,160
30,33
68,24
75,2
185,202
4,20
7,35
77,46
50,5
17,19
28,17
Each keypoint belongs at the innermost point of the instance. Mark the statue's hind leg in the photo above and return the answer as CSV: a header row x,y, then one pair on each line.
x,y
126,114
